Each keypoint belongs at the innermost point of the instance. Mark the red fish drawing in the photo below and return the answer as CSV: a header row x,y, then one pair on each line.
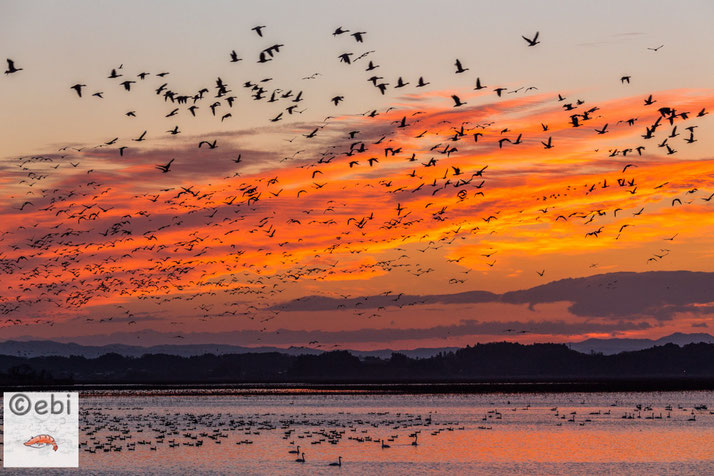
x,y
40,441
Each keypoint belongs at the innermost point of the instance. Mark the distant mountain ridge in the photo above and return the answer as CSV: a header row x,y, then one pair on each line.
x,y
615,346
46,348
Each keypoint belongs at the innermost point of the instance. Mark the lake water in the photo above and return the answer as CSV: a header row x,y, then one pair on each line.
x,y
566,433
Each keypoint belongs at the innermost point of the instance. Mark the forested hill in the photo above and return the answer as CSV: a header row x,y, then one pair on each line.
x,y
482,362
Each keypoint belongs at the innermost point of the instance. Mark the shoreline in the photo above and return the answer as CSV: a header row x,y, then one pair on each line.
x,y
377,388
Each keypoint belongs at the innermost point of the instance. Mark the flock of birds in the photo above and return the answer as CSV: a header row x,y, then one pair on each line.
x,y
115,430
248,239
136,428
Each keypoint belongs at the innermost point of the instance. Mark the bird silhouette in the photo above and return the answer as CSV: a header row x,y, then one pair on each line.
x,y
11,68
534,41
78,88
165,168
459,68
457,101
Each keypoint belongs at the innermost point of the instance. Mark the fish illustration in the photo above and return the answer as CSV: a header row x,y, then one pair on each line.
x,y
40,441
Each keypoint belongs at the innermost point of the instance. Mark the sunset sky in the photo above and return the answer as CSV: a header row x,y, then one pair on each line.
x,y
308,240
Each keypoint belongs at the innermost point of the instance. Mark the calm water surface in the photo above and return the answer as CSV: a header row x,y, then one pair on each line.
x,y
572,433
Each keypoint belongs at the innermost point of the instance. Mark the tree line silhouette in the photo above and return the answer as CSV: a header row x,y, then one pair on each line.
x,y
494,362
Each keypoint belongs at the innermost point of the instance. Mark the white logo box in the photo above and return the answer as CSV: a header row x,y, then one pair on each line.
x,y
41,429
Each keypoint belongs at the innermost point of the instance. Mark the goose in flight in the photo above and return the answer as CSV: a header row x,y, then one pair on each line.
x,y
11,68
459,68
78,88
457,100
534,41
165,168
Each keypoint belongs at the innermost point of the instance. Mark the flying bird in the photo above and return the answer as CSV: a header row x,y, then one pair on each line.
x,y
78,88
459,68
11,67
211,145
534,41
457,100
165,168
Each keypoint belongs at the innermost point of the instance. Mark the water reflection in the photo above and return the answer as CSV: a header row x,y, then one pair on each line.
x,y
396,434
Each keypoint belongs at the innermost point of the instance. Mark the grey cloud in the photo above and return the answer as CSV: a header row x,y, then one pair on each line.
x,y
375,335
658,294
